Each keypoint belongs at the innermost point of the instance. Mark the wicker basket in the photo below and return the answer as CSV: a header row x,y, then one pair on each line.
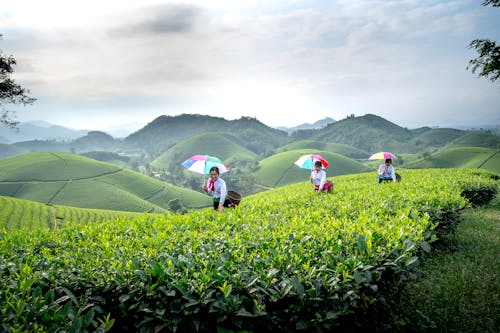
x,y
234,197
398,177
331,184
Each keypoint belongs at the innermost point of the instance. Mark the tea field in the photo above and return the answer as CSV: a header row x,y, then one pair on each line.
x,y
285,259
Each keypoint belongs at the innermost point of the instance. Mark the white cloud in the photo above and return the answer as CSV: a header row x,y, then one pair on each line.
x,y
404,60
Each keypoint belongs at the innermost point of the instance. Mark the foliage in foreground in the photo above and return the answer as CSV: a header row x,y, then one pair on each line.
x,y
286,259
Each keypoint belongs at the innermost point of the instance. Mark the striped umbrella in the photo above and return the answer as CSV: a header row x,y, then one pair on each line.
x,y
203,163
307,161
382,155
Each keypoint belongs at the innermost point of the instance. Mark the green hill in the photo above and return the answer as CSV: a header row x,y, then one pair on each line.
x,y
226,147
461,157
109,157
17,214
166,131
279,169
338,148
436,137
369,132
74,180
478,139
372,133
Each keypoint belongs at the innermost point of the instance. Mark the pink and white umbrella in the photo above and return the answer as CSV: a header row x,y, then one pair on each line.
x,y
307,161
203,163
382,155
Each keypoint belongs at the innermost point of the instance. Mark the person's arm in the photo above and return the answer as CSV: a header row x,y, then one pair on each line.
x,y
223,193
322,181
208,187
381,169
393,173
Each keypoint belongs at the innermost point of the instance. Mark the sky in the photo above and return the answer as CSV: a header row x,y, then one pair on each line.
x,y
95,64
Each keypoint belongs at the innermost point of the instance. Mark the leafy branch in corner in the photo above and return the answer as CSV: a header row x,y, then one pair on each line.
x,y
488,62
10,91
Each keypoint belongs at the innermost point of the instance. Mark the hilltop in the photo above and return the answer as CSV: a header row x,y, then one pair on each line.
x,y
74,180
165,131
366,133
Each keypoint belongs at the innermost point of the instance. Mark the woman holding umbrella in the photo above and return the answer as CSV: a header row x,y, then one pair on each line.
x,y
318,178
216,187
386,171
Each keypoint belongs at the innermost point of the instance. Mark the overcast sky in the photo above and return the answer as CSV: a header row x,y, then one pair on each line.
x,y
97,63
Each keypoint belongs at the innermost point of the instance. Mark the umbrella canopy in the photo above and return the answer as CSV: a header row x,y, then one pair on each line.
x,y
307,161
203,163
382,155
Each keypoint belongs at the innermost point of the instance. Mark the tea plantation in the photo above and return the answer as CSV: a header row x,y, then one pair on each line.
x,y
285,259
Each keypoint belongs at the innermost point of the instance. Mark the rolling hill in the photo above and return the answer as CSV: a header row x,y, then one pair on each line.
x,y
338,148
279,169
369,132
17,214
227,147
477,139
431,138
78,181
165,131
461,157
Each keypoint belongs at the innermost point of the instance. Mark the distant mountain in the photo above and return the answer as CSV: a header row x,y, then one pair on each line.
x,y
373,133
363,135
165,131
122,130
316,125
38,130
91,141
42,130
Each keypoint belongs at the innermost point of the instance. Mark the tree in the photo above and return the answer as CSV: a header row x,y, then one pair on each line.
x,y
488,61
10,91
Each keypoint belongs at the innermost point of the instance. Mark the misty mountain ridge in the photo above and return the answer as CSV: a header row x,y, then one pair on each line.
x,y
38,130
368,133
316,125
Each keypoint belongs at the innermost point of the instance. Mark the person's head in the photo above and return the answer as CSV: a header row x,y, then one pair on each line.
x,y
318,165
388,161
214,173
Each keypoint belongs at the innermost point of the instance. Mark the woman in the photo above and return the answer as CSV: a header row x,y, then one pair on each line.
x,y
216,187
318,178
386,171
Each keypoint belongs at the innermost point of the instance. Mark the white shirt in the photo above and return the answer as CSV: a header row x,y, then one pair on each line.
x,y
220,189
318,178
387,170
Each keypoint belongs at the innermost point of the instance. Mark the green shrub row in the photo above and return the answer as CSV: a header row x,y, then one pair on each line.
x,y
286,259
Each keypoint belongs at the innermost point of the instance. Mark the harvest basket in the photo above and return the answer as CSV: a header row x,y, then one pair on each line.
x,y
234,197
331,184
398,177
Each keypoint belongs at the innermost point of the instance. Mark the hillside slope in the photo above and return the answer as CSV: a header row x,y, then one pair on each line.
x,y
461,157
165,131
228,148
74,180
279,169
18,214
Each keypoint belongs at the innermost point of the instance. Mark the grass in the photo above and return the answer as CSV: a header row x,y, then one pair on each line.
x,y
460,286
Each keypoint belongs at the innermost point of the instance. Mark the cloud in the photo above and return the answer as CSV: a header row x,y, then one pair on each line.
x,y
159,20
252,58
